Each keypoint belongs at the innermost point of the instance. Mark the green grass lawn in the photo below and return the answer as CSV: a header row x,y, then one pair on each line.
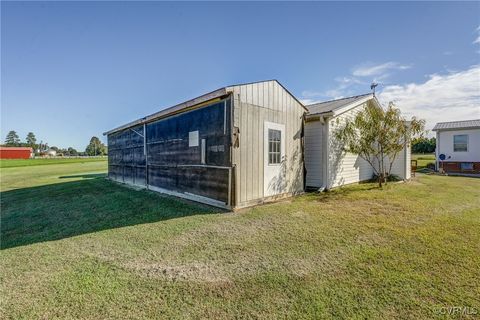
x,y
10,163
423,159
77,246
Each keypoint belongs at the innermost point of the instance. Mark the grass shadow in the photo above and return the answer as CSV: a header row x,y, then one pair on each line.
x,y
339,192
57,211
85,176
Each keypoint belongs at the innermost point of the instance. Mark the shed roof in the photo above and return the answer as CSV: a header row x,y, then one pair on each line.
x,y
453,125
333,105
184,106
16,149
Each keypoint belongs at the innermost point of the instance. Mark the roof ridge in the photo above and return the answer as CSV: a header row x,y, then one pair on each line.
x,y
360,95
458,121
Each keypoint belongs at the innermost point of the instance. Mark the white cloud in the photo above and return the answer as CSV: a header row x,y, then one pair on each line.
x,y
353,83
448,97
369,69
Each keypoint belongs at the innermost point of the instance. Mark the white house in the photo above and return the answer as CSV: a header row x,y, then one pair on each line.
x,y
458,146
326,163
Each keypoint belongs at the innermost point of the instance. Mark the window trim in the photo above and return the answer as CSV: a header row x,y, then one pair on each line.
x,y
466,143
277,144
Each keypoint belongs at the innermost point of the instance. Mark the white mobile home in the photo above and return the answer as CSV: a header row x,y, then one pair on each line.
x,y
327,165
234,147
458,146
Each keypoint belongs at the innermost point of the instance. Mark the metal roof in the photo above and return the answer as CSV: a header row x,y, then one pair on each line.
x,y
332,105
16,149
466,124
222,92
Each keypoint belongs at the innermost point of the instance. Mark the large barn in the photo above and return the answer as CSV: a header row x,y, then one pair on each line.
x,y
234,147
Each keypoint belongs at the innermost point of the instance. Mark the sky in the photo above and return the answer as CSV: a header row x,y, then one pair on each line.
x,y
73,70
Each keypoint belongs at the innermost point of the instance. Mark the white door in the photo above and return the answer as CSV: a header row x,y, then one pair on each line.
x,y
274,159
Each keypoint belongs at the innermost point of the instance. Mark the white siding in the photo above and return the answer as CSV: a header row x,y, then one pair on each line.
x,y
445,145
345,168
401,165
314,150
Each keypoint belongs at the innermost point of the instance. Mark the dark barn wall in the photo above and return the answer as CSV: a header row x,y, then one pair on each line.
x,y
173,164
176,166
126,157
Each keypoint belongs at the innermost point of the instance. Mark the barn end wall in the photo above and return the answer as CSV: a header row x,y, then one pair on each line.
x,y
253,105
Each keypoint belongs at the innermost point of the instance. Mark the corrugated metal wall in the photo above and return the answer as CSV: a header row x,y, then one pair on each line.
x,y
253,105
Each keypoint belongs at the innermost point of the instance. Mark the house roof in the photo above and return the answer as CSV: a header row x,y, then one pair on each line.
x,y
453,125
333,105
184,106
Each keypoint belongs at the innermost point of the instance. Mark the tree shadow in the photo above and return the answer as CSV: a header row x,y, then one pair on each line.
x,y
58,211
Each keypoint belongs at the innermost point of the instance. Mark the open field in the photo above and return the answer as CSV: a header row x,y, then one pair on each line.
x,y
10,163
423,159
77,246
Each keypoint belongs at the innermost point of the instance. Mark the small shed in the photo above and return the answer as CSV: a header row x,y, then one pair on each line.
x,y
328,166
458,146
15,153
234,147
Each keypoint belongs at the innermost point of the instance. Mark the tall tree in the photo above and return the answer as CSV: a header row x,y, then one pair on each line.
x,y
378,135
96,147
31,140
12,139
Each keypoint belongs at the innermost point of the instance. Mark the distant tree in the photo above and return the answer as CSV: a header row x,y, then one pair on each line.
x,y
12,139
96,148
423,145
71,152
31,140
377,134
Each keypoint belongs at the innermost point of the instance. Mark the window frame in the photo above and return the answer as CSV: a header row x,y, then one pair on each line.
x,y
274,152
460,143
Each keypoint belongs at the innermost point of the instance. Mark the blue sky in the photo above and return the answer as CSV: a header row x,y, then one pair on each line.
x,y
73,70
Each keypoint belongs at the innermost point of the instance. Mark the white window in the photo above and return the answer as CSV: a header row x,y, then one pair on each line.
x,y
460,143
193,139
274,146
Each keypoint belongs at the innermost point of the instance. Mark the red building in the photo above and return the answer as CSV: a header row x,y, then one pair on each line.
x,y
15,153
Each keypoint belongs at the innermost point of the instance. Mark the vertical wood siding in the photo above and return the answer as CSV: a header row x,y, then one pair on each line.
x,y
253,105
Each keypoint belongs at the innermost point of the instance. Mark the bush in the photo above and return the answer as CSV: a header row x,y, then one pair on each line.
x,y
390,178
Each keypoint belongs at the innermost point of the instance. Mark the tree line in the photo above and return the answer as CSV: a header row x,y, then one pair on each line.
x,y
94,148
424,145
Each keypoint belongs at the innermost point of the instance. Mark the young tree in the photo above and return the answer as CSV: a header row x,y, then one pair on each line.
x,y
378,135
12,139
95,147
31,140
